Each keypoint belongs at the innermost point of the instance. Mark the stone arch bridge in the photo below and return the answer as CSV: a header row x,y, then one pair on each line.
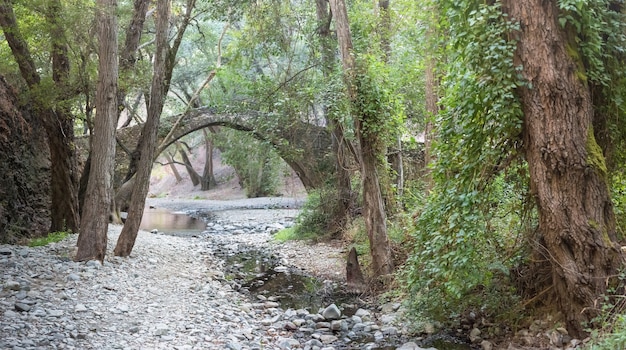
x,y
304,146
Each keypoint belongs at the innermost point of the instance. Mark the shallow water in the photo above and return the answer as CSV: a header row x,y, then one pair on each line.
x,y
166,221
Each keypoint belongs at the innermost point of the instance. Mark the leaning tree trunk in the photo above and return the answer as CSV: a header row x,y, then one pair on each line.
x,y
193,174
92,240
126,241
567,168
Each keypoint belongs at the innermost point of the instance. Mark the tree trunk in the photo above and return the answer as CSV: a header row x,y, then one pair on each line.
x,y
374,208
193,175
92,240
158,91
126,63
394,156
170,62
170,161
58,123
567,168
346,197
430,90
208,178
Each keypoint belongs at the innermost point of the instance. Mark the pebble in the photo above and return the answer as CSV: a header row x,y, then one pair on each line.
x,y
168,294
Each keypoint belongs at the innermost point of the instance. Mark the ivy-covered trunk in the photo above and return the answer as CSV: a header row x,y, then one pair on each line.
x,y
567,167
369,139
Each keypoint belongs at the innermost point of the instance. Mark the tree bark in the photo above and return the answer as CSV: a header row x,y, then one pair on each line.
x,y
158,91
193,175
92,240
58,122
346,197
374,208
170,61
208,177
170,161
127,60
567,168
432,109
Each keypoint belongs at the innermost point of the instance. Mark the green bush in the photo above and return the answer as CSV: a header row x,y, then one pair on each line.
x,y
317,214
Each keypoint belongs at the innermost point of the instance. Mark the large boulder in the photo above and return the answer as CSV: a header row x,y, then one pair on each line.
x,y
24,171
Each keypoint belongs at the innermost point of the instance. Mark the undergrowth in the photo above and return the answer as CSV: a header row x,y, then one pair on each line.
x,y
50,238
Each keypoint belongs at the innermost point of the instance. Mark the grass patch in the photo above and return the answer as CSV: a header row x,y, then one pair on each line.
x,y
50,238
291,234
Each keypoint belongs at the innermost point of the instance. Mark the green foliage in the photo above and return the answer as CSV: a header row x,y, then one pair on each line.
x,y
316,214
618,196
609,327
377,105
458,237
616,339
50,238
256,163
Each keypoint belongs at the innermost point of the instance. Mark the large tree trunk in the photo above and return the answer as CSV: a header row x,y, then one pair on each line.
x,y
60,129
127,238
346,197
92,241
58,122
567,168
374,208
127,60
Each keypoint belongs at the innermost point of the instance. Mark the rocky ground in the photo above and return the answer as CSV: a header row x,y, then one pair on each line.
x,y
172,293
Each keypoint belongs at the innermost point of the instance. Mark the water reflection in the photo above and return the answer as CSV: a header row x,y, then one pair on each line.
x,y
170,222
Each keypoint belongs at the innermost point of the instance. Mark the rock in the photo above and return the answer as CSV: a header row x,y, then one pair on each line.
x,y
412,346
336,325
474,335
287,343
12,285
5,251
327,338
429,328
486,345
55,313
21,307
332,312
362,314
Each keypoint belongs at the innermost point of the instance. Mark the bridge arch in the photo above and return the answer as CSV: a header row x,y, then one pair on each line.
x,y
303,146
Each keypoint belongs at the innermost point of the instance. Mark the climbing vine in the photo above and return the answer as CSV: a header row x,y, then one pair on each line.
x,y
478,133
